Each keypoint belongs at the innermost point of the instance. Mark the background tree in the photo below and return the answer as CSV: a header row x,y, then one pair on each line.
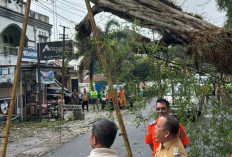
x,y
226,5
87,48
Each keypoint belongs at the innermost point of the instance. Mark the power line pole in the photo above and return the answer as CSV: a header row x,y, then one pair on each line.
x,y
62,90
39,84
17,71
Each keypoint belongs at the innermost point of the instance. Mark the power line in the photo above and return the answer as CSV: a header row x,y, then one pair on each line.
x,y
59,16
72,6
51,11
80,10
61,7
55,6
70,12
69,2
81,6
67,7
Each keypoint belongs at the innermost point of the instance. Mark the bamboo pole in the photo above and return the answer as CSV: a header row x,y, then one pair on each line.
x,y
17,71
109,80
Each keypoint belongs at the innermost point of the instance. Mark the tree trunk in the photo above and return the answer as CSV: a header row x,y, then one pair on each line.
x,y
174,25
163,17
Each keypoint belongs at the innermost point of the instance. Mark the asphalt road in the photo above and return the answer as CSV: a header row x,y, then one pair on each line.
x,y
80,146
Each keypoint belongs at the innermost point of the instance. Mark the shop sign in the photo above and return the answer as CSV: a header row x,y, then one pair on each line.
x,y
29,55
53,50
47,75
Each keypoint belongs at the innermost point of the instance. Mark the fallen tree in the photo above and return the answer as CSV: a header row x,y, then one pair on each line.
x,y
203,40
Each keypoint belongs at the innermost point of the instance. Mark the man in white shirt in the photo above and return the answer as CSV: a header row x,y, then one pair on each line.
x,y
102,137
4,107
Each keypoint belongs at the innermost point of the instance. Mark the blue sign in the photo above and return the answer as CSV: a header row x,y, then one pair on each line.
x,y
29,55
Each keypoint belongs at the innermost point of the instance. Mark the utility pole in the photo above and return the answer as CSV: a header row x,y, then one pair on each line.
x,y
62,90
109,80
39,83
17,71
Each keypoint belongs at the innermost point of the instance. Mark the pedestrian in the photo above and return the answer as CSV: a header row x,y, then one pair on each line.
x,y
75,97
217,91
109,100
94,95
205,91
4,107
162,108
102,137
85,101
167,132
122,97
60,99
103,97
107,97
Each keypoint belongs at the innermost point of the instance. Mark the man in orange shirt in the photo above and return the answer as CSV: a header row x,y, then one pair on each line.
x,y
122,97
162,108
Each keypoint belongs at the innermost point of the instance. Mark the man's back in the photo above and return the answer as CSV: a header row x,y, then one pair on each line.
x,y
103,152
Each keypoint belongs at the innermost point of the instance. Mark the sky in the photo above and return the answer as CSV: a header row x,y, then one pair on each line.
x,y
70,12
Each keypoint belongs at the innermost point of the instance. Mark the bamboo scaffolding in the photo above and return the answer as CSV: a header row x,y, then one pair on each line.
x,y
16,77
109,80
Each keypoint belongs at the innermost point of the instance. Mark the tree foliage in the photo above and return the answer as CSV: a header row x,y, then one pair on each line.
x,y
226,5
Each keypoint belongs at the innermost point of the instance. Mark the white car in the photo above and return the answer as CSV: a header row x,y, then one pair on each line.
x,y
182,102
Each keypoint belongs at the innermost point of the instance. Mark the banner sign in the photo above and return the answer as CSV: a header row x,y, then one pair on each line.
x,y
47,75
7,75
53,50
29,55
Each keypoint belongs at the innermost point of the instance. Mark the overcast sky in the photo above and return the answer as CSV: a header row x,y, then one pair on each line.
x,y
70,12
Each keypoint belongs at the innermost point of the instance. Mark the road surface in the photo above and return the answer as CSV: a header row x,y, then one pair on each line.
x,y
80,146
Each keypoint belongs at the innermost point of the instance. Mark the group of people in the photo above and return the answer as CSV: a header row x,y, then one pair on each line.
x,y
86,98
93,95
120,95
165,136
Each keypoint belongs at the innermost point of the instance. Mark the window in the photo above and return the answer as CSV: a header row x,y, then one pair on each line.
x,y
11,41
5,39
4,71
41,39
8,39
